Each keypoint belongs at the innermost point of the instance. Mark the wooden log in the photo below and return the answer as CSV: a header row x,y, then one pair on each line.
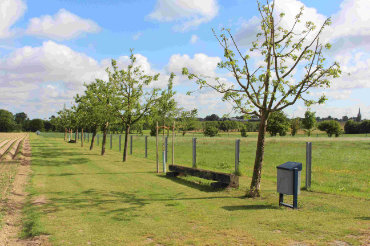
x,y
230,180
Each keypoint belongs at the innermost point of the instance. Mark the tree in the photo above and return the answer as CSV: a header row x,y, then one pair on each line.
x,y
278,123
133,100
165,110
36,125
188,120
20,119
7,122
270,87
309,122
212,117
331,127
210,129
295,125
98,108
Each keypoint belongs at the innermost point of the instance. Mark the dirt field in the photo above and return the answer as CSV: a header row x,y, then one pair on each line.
x,y
15,154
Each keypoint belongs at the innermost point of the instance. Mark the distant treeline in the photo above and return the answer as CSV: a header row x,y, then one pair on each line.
x,y
353,127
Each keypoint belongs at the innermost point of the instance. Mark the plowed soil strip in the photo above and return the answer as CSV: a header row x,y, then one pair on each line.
x,y
5,148
11,153
3,143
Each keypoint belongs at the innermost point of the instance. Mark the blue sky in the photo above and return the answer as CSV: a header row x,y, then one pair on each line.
x,y
48,49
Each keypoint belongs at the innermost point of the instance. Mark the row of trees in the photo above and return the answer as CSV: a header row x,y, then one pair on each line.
x,y
21,122
127,101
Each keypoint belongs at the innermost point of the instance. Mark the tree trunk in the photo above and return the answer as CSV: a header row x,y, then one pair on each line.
x,y
104,138
254,190
126,143
82,137
93,139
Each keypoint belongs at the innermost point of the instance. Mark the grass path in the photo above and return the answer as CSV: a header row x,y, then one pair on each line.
x,y
87,199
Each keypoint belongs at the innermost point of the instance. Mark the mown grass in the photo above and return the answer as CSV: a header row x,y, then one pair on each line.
x,y
339,165
98,200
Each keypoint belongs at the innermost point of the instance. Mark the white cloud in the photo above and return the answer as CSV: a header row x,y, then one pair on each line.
x,y
40,80
350,28
137,35
194,38
188,13
63,25
199,64
10,12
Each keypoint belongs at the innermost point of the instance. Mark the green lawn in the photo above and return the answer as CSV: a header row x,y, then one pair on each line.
x,y
93,200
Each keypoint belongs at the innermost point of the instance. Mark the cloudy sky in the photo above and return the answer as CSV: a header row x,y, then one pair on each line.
x,y
48,49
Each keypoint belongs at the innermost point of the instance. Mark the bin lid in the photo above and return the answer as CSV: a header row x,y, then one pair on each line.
x,y
291,166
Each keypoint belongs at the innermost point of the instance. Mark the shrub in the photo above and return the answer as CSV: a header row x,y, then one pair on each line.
x,y
295,124
210,130
330,127
277,123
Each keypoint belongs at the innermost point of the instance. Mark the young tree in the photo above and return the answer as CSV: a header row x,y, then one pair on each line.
x,y
188,120
100,103
165,110
295,124
210,129
278,123
270,88
134,98
309,122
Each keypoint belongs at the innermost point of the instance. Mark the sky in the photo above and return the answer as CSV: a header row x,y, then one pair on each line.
x,y
49,49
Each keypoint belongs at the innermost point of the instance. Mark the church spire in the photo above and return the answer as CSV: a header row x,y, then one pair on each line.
x,y
358,119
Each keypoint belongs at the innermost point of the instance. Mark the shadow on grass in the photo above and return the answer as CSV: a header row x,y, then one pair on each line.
x,y
250,207
119,206
362,218
193,184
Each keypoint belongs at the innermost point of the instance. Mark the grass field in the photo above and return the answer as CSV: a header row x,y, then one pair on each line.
x,y
86,199
339,165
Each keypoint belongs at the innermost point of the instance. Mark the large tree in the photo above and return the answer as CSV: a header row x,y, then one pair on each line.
x,y
134,97
7,123
272,87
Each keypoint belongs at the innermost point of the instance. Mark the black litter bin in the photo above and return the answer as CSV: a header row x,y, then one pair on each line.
x,y
288,182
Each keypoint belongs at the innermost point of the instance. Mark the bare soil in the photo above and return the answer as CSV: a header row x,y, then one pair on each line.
x,y
12,221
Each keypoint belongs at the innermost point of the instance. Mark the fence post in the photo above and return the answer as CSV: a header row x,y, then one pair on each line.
x,y
237,156
111,141
194,152
119,144
131,145
166,147
146,146
308,164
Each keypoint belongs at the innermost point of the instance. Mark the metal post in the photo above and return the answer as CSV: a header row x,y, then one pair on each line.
x,y
308,164
295,189
111,141
166,147
237,156
164,161
131,145
119,144
156,146
173,143
194,152
146,146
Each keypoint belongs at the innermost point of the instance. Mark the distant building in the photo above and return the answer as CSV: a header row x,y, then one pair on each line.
x,y
358,118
